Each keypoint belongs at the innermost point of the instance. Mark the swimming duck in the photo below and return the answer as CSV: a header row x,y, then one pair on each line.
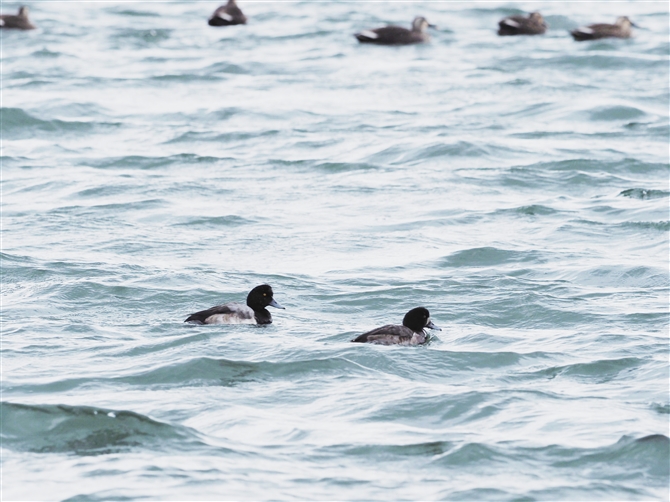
x,y
254,312
620,29
396,35
227,15
410,333
18,22
518,25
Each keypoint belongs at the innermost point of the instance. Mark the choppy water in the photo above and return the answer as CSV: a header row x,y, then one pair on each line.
x,y
154,166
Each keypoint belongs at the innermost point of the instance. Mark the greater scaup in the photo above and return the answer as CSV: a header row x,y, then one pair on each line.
x,y
227,15
410,333
519,25
396,35
620,29
254,312
17,22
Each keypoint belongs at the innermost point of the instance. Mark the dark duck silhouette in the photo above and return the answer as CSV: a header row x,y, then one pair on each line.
x,y
397,35
410,333
254,312
534,24
17,22
620,29
227,15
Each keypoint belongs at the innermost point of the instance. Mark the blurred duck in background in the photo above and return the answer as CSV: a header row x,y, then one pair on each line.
x,y
620,29
227,15
534,24
17,22
397,35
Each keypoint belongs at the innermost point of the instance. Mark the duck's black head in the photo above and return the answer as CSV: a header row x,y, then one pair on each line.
x,y
261,297
417,319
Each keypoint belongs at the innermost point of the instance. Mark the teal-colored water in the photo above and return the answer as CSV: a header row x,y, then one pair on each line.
x,y
153,166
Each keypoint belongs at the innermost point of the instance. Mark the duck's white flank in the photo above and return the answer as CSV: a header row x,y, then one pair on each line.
x,y
231,318
225,16
369,34
511,22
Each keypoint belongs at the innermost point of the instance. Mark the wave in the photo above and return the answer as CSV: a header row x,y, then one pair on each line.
x,y
427,449
182,78
647,453
531,210
148,163
46,53
233,69
343,167
574,174
661,226
642,193
490,256
231,220
588,61
627,460
234,136
352,361
615,112
604,370
86,430
446,410
16,124
401,155
205,371
139,38
622,166
620,276
135,13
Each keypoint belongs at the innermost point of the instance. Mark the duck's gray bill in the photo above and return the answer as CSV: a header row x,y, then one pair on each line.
x,y
274,304
432,326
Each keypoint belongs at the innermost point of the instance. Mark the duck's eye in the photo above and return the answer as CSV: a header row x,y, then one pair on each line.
x,y
265,294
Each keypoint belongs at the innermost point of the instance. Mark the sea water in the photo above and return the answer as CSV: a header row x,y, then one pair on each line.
x,y
517,187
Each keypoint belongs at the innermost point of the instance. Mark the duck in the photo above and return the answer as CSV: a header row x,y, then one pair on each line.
x,y
410,333
227,15
397,35
534,24
620,29
17,22
254,312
